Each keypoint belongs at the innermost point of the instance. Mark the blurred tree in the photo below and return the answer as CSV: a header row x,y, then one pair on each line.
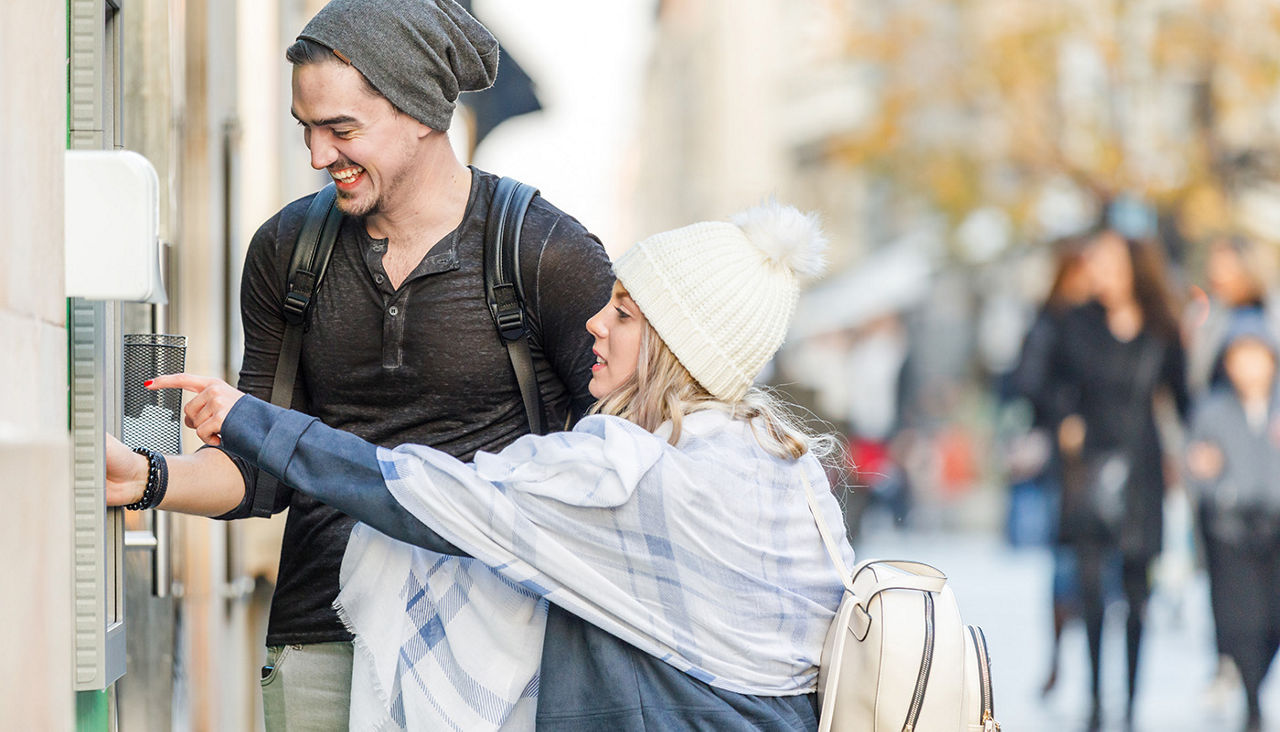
x,y
993,102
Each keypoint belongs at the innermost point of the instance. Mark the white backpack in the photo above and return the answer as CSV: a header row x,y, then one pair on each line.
x,y
897,656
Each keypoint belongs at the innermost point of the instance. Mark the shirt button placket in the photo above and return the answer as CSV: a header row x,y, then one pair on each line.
x,y
392,332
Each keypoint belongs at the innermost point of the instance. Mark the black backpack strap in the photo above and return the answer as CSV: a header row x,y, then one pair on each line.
x,y
307,266
504,289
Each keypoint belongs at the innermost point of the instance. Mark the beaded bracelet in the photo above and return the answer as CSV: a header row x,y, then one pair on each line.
x,y
157,480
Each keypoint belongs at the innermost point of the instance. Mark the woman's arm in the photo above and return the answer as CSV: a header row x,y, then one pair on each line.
x,y
535,493
332,466
1030,377
1175,376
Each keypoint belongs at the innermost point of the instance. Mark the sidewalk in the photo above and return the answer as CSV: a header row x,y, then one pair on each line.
x,y
1007,592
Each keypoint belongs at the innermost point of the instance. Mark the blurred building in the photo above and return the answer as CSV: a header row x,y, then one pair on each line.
x,y
945,143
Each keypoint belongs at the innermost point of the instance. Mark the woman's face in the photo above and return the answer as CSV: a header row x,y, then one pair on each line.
x,y
1110,269
618,329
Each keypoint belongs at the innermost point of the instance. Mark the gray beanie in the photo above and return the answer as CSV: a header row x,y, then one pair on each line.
x,y
417,53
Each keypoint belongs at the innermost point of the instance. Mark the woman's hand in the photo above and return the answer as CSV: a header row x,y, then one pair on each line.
x,y
207,410
1071,435
126,474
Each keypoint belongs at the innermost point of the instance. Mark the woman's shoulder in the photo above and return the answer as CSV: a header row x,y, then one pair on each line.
x,y
615,435
696,427
707,434
610,426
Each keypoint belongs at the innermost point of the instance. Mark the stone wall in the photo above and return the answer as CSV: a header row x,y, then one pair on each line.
x,y
35,546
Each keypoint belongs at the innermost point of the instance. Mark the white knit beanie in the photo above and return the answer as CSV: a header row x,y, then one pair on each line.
x,y
722,294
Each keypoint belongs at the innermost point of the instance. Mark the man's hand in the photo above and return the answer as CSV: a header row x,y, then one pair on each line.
x,y
1204,461
126,474
207,410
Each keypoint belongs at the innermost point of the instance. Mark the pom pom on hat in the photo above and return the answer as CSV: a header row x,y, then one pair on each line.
x,y
720,294
787,236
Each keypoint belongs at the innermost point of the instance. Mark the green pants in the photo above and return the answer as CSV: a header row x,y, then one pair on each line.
x,y
307,687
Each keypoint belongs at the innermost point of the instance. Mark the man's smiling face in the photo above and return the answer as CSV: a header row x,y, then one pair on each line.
x,y
368,148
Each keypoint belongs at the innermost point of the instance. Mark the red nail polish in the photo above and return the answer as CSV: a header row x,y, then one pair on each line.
x,y
148,382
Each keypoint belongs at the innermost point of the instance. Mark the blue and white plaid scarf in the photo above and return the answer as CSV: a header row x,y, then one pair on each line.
x,y
705,556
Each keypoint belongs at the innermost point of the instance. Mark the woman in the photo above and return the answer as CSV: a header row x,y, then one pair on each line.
x,y
671,525
1110,359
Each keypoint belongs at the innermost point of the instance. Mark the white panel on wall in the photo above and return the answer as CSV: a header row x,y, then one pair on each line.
x,y
112,227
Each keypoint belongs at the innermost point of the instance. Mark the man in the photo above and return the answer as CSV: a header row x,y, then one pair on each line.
x,y
400,346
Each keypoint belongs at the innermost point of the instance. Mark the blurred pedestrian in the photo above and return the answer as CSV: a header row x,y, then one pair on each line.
x,y
1233,460
1031,380
1110,358
1237,275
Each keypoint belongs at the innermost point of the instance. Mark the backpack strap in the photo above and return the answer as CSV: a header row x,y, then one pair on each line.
x,y
504,290
307,266
827,539
911,575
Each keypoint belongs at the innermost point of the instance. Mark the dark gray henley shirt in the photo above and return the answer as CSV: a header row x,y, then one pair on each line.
x,y
422,363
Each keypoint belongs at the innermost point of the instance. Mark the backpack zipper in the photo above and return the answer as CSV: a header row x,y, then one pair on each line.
x,y
988,722
926,663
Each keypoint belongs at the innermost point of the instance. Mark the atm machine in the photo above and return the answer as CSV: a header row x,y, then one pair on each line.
x,y
125,614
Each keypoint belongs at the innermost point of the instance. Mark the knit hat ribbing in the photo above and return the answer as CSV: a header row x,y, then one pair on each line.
x,y
721,295
419,54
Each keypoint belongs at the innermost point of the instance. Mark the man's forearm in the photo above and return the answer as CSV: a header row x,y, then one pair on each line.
x,y
205,483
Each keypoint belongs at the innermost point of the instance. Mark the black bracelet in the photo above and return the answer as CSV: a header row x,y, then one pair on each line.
x,y
157,480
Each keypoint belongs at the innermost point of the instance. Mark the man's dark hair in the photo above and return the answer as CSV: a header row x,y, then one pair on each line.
x,y
305,51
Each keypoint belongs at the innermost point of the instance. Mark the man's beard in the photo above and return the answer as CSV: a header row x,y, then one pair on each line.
x,y
352,206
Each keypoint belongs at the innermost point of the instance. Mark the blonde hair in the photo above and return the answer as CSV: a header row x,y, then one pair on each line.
x,y
662,390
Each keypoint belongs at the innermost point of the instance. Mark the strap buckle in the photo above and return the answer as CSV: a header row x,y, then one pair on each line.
x,y
511,325
507,313
298,298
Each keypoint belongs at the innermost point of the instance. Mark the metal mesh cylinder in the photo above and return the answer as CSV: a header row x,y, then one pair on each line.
x,y
152,418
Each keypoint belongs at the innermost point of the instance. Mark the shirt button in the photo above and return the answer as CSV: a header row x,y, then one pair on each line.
x,y
377,278
393,311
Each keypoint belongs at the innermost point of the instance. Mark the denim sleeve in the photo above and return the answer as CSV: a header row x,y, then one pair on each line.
x,y
330,465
